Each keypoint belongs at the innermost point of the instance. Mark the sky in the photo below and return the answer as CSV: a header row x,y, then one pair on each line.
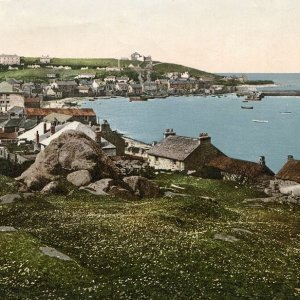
x,y
211,35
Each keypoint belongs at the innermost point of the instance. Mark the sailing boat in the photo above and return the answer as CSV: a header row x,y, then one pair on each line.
x,y
286,112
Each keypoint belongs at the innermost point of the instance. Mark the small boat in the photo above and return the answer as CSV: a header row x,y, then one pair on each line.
x,y
245,101
260,121
247,107
285,112
138,98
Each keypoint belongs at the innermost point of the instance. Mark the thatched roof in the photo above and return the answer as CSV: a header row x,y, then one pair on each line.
x,y
240,167
290,171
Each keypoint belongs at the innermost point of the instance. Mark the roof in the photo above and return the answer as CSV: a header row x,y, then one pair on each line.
x,y
238,166
30,135
13,122
32,100
290,171
6,87
77,126
67,82
28,124
175,147
8,135
9,55
16,110
43,112
57,117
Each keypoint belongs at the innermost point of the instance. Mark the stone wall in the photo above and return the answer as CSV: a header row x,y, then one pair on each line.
x,y
160,163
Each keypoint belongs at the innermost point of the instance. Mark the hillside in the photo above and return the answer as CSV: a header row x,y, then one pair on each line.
x,y
153,248
40,75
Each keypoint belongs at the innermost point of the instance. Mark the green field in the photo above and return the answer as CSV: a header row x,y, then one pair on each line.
x,y
153,248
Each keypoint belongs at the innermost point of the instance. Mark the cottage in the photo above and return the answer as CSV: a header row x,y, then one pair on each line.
x,y
45,59
10,97
239,170
290,172
83,115
180,153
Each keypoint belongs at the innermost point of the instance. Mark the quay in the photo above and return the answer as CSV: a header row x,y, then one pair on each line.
x,y
281,93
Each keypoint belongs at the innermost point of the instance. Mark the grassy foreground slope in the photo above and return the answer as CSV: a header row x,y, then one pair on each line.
x,y
154,248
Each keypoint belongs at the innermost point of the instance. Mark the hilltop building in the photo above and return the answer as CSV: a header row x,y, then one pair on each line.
x,y
8,60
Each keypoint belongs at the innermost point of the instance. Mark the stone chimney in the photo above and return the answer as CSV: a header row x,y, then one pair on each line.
x,y
98,136
169,132
37,138
45,127
204,138
262,161
52,128
290,157
105,126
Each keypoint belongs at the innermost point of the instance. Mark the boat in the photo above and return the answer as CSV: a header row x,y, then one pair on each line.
x,y
286,112
245,101
138,98
255,96
247,107
260,121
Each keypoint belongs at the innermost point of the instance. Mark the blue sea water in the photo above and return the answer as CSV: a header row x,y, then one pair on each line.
x,y
231,128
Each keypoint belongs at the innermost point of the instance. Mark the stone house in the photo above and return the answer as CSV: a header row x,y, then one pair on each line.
x,y
10,97
180,153
68,88
289,174
233,169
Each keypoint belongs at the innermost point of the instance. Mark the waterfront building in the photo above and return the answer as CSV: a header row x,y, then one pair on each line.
x,y
10,97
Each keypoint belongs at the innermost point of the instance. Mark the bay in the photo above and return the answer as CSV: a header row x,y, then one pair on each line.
x,y
231,128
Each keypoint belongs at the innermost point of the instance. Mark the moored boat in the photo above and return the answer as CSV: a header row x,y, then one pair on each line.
x,y
138,98
247,107
260,121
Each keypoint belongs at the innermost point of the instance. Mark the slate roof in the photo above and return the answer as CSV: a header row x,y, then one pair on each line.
x,y
12,123
57,117
175,147
238,166
6,88
290,171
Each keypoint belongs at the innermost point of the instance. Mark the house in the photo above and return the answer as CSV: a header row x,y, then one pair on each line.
x,y
83,115
32,102
45,59
67,87
148,59
150,87
84,90
110,79
17,84
243,171
121,88
135,89
11,125
290,172
180,153
183,85
113,137
123,79
7,59
10,96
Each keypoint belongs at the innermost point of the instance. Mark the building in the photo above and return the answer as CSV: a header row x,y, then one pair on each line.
x,y
83,115
45,59
136,56
239,170
290,172
180,153
8,60
10,97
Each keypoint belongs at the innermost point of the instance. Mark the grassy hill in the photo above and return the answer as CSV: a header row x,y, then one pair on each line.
x,y
154,248
40,74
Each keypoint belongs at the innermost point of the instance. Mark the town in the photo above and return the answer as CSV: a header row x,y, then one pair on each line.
x,y
30,120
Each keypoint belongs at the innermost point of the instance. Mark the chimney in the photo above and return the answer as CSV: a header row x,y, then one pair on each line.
x,y
204,138
262,161
98,136
154,143
105,126
169,132
52,128
45,127
37,138
290,157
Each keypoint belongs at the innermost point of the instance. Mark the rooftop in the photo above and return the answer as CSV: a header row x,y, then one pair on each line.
x,y
290,171
43,112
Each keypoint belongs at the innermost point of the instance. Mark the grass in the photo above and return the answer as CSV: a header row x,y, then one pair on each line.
x,y
154,248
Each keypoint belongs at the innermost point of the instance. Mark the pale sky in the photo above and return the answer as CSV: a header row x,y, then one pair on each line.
x,y
212,35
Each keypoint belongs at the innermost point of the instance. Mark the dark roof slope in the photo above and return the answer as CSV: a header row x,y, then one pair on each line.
x,y
240,167
290,171
175,147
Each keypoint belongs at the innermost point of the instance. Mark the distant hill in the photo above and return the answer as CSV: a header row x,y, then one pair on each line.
x,y
40,74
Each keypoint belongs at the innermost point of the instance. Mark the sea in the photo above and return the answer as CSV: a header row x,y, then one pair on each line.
x,y
231,128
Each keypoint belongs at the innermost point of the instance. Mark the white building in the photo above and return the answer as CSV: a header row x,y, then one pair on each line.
x,y
45,59
6,59
10,97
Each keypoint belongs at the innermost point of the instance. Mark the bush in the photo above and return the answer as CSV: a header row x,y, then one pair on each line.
x,y
10,169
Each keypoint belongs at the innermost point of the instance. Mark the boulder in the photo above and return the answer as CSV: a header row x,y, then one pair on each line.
x,y
117,191
71,151
80,178
9,198
99,187
51,188
142,186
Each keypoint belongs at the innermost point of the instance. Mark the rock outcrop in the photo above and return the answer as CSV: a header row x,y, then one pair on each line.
x,y
142,187
71,151
80,178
